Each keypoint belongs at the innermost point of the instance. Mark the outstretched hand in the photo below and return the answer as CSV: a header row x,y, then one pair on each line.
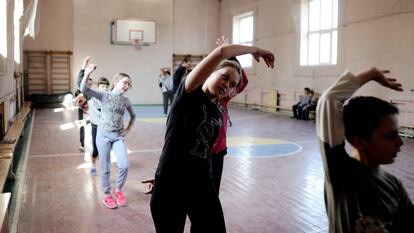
x,y
267,56
150,183
379,76
388,82
90,68
222,41
85,62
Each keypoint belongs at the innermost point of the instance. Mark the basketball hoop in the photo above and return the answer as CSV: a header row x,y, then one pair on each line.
x,y
137,44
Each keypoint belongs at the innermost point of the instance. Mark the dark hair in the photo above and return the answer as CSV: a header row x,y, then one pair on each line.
x,y
307,89
362,115
233,59
168,72
186,59
103,80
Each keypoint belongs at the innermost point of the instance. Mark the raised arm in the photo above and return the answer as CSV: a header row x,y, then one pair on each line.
x,y
329,122
80,77
329,111
82,71
84,87
203,70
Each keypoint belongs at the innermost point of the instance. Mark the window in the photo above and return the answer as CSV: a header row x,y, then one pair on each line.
x,y
319,32
3,36
18,12
243,31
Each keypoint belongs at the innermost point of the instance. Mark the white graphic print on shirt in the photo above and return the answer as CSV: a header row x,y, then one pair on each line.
x,y
369,224
112,112
205,132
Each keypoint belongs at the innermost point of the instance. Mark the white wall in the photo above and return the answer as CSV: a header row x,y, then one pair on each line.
x,y
372,33
182,27
196,26
92,37
55,26
7,82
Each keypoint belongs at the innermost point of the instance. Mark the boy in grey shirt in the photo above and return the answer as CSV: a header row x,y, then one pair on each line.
x,y
359,195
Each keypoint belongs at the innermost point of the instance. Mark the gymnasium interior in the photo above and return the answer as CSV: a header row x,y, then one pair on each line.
x,y
273,174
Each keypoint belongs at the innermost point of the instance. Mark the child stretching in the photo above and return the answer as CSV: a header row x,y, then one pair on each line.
x,y
183,180
111,132
219,149
94,110
359,195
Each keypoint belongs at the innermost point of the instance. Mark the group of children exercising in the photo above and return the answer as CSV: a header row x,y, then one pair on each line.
x,y
359,195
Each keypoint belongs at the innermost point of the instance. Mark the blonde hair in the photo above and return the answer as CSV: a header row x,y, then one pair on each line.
x,y
118,77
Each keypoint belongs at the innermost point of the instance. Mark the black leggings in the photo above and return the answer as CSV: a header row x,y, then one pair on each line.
x,y
82,129
195,196
217,161
95,149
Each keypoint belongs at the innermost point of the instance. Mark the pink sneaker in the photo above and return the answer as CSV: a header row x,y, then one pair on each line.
x,y
120,198
109,202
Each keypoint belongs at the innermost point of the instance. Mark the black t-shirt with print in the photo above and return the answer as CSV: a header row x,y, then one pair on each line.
x,y
369,198
192,128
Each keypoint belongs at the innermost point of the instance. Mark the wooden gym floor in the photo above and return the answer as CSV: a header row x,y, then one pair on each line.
x,y
272,179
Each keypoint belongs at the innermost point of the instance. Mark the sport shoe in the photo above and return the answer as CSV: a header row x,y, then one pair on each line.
x,y
81,149
93,171
109,202
120,198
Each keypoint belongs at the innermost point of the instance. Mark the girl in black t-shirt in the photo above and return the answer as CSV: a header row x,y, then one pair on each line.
x,y
183,181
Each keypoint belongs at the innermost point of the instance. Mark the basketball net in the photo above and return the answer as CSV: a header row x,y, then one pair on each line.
x,y
137,44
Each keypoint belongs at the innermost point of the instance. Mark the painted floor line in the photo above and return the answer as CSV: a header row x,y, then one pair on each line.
x,y
249,117
82,154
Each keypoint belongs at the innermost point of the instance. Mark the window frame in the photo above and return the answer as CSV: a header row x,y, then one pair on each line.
x,y
306,32
238,15
17,27
3,36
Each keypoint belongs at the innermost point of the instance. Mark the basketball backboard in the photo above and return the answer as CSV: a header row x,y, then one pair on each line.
x,y
129,31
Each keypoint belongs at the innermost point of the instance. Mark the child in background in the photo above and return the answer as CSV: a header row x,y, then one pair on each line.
x,y
181,71
111,133
166,85
82,103
94,106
